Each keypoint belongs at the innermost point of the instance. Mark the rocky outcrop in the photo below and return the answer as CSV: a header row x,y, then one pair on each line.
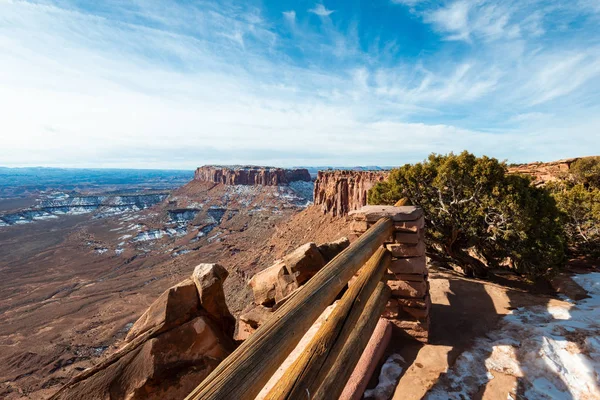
x,y
209,280
339,192
171,348
272,286
544,172
250,175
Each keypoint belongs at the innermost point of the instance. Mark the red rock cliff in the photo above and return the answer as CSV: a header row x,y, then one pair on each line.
x,y
250,175
339,192
544,172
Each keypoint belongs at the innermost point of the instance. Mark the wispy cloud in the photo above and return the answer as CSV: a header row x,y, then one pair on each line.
x,y
321,11
290,16
409,3
462,20
149,84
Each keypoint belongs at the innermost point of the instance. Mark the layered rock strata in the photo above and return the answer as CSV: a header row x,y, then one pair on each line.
x,y
339,192
250,175
409,305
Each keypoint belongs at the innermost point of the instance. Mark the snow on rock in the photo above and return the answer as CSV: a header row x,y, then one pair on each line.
x,y
303,189
180,252
554,352
182,216
159,233
388,378
65,204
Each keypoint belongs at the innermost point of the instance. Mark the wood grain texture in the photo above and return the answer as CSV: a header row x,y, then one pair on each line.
x,y
302,376
243,374
350,350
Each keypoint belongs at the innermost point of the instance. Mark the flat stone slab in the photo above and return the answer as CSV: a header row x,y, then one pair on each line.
x,y
397,214
406,250
411,277
408,289
407,237
412,265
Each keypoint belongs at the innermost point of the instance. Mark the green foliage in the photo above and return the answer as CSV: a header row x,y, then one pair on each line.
x,y
478,216
578,197
586,171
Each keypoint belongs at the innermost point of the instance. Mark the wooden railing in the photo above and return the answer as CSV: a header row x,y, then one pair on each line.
x,y
324,367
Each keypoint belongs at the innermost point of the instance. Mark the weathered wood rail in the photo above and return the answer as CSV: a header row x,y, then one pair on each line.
x,y
326,364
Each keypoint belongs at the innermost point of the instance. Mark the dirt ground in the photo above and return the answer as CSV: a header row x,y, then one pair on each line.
x,y
462,310
64,308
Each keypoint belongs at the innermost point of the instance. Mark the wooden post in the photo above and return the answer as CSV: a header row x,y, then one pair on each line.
x,y
301,377
244,373
349,351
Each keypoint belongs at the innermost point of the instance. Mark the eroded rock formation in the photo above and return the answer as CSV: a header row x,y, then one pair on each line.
x,y
544,172
272,286
250,175
171,348
339,192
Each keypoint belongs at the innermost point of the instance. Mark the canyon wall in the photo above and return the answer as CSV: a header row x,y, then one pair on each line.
x,y
250,175
72,204
340,191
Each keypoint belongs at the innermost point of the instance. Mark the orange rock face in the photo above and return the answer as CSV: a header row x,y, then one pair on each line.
x,y
339,192
250,175
172,347
544,172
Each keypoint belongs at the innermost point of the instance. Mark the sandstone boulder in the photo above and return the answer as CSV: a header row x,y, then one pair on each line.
x,y
172,347
331,249
209,279
286,284
251,319
265,283
167,366
175,306
304,262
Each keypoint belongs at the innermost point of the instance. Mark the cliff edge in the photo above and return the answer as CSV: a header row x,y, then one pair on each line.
x,y
250,175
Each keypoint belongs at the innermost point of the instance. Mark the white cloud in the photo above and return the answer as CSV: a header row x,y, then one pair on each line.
x,y
453,20
562,75
211,85
290,16
321,11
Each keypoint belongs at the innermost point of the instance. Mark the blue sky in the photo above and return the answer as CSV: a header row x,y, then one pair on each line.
x,y
155,84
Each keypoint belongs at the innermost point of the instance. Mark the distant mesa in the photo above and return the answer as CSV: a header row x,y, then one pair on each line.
x,y
250,175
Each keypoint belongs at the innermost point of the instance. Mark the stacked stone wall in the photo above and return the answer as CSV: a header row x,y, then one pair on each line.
x,y
410,302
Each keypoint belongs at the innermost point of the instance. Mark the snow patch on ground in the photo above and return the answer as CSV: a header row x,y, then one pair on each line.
x,y
388,378
554,352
